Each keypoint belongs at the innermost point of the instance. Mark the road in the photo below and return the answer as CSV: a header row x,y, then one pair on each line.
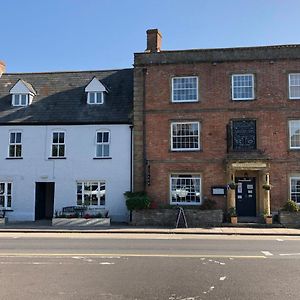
x,y
148,266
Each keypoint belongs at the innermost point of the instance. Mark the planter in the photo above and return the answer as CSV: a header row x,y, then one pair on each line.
x,y
167,217
3,221
68,222
268,220
289,219
233,220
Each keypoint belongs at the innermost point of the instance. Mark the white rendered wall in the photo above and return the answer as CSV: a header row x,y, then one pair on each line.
x,y
79,165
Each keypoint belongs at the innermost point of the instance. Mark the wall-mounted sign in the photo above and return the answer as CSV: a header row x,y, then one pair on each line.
x,y
218,190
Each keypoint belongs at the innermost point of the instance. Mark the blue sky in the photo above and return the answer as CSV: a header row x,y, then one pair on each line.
x,y
58,35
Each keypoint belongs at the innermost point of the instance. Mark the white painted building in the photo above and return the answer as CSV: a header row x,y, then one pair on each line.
x,y
65,141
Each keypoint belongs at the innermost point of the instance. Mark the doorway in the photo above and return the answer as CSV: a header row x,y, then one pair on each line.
x,y
44,200
245,196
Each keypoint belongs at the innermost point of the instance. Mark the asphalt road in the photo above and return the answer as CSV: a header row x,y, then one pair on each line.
x,y
150,266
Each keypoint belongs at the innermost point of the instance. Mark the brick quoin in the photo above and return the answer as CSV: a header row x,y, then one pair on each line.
x,y
271,109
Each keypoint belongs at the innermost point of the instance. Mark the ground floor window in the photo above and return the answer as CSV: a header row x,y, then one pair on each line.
x,y
5,194
295,189
185,189
91,193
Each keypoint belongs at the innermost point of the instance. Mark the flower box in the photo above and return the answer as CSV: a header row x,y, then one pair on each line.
x,y
73,222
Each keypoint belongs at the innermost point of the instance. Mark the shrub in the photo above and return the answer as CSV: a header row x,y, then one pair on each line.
x,y
208,204
232,212
137,200
290,206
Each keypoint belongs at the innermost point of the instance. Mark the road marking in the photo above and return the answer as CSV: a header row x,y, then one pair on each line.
x,y
222,278
266,253
127,255
279,240
289,254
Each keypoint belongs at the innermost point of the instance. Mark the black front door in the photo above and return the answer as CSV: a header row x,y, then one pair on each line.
x,y
44,200
245,196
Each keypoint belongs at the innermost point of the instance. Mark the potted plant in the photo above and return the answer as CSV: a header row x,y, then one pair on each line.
x,y
267,217
267,186
232,185
232,214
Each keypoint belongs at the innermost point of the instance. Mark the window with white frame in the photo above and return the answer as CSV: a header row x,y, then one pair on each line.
x,y
242,86
5,194
185,89
91,193
102,143
20,99
294,134
58,144
95,97
15,144
295,189
294,86
185,136
185,189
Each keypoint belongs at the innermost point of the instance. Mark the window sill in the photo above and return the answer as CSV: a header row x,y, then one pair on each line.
x,y
57,158
185,151
103,157
14,157
241,100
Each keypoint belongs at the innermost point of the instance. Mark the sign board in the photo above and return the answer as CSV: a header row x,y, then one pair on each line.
x,y
218,190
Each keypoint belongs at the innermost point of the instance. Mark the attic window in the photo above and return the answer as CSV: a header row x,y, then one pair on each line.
x,y
22,93
20,99
95,92
95,98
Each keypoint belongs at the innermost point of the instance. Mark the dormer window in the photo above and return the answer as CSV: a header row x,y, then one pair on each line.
x,y
20,99
95,98
22,93
95,92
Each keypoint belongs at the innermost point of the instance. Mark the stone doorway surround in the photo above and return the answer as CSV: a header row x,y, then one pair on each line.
x,y
253,168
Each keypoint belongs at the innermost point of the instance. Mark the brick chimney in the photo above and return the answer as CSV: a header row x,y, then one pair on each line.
x,y
2,67
154,38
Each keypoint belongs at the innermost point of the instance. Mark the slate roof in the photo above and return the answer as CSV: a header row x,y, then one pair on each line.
x,y
61,98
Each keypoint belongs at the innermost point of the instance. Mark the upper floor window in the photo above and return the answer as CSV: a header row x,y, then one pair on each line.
x,y
242,135
242,86
95,91
185,189
185,136
15,145
5,194
91,193
185,89
95,97
102,143
295,189
294,86
294,134
58,144
20,99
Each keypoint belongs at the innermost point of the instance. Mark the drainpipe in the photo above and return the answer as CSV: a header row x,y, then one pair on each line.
x,y
131,158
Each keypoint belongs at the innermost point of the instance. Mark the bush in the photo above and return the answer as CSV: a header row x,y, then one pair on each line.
x,y
208,204
290,206
138,200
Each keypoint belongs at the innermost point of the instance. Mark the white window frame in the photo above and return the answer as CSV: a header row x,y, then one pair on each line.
x,y
232,87
6,195
186,100
58,144
100,183
295,178
290,134
97,100
102,144
185,149
18,102
291,74
182,192
14,144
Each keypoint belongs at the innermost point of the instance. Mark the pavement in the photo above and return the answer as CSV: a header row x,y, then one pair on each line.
x,y
226,229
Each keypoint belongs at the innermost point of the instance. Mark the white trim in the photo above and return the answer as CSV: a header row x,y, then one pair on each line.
x,y
194,176
58,143
14,144
5,194
290,185
290,136
103,143
197,89
95,97
185,149
294,85
232,87
99,182
19,99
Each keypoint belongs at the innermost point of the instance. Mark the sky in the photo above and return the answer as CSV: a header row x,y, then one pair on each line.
x,y
63,35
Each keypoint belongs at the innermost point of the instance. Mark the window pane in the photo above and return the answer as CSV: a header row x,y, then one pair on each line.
x,y
2,188
12,149
99,151
8,201
294,128
185,89
79,199
61,150
8,188
242,86
61,137
105,150
185,136
12,137
54,150
18,137
99,137
99,97
105,137
18,150
2,201
92,97
55,137
23,99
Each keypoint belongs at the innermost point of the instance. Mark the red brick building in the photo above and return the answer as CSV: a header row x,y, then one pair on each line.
x,y
209,117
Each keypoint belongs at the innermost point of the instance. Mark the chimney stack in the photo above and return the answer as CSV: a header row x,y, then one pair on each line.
x,y
154,38
2,67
